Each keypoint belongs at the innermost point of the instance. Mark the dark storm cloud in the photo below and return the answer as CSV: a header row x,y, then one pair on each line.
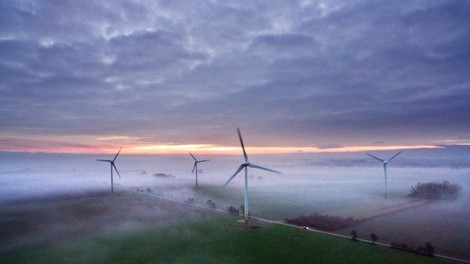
x,y
183,72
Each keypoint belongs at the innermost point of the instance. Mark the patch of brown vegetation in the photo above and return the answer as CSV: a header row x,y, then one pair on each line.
x,y
323,222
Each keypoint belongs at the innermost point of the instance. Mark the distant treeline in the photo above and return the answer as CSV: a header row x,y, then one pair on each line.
x,y
323,222
434,190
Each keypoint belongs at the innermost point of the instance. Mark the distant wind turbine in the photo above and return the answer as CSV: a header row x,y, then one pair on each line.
x,y
195,166
245,166
385,162
111,162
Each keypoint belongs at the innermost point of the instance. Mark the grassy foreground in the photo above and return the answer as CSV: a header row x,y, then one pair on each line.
x,y
217,240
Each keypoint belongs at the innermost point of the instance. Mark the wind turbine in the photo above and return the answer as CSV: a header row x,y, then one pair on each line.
x,y
385,162
111,162
245,166
195,166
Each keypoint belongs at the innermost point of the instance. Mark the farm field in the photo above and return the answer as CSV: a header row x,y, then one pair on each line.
x,y
178,234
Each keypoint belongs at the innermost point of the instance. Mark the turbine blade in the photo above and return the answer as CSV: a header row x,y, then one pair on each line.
x,y
381,160
192,156
394,156
243,145
263,168
114,166
117,154
103,160
235,174
194,167
203,160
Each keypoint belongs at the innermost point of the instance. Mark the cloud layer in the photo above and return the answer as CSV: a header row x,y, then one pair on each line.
x,y
317,73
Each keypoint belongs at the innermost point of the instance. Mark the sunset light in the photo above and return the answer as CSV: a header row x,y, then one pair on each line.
x,y
328,116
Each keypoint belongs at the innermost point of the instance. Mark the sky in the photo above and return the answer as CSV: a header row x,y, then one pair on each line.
x,y
170,76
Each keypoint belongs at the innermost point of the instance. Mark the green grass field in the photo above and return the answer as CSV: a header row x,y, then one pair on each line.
x,y
218,240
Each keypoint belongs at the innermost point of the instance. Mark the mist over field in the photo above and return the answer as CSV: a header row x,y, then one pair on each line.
x,y
297,77
26,175
337,184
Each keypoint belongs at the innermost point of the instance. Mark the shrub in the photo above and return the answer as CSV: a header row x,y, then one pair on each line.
x,y
428,249
233,211
211,204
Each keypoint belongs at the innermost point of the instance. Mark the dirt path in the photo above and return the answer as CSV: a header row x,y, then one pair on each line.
x,y
379,209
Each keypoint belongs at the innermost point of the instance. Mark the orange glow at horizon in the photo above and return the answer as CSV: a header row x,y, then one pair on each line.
x,y
98,144
228,150
131,146
212,149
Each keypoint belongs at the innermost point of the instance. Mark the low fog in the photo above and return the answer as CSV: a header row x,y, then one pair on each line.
x,y
332,184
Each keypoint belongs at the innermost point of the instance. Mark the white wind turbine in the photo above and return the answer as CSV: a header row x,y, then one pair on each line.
x,y
195,166
245,166
111,162
385,162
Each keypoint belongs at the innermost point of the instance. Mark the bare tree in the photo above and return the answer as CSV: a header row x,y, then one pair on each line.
x,y
429,248
353,235
373,237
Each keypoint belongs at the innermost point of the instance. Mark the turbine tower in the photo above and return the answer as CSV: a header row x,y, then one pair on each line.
x,y
195,166
245,166
111,162
385,162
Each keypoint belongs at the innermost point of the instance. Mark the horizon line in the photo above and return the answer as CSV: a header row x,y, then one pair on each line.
x,y
209,149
